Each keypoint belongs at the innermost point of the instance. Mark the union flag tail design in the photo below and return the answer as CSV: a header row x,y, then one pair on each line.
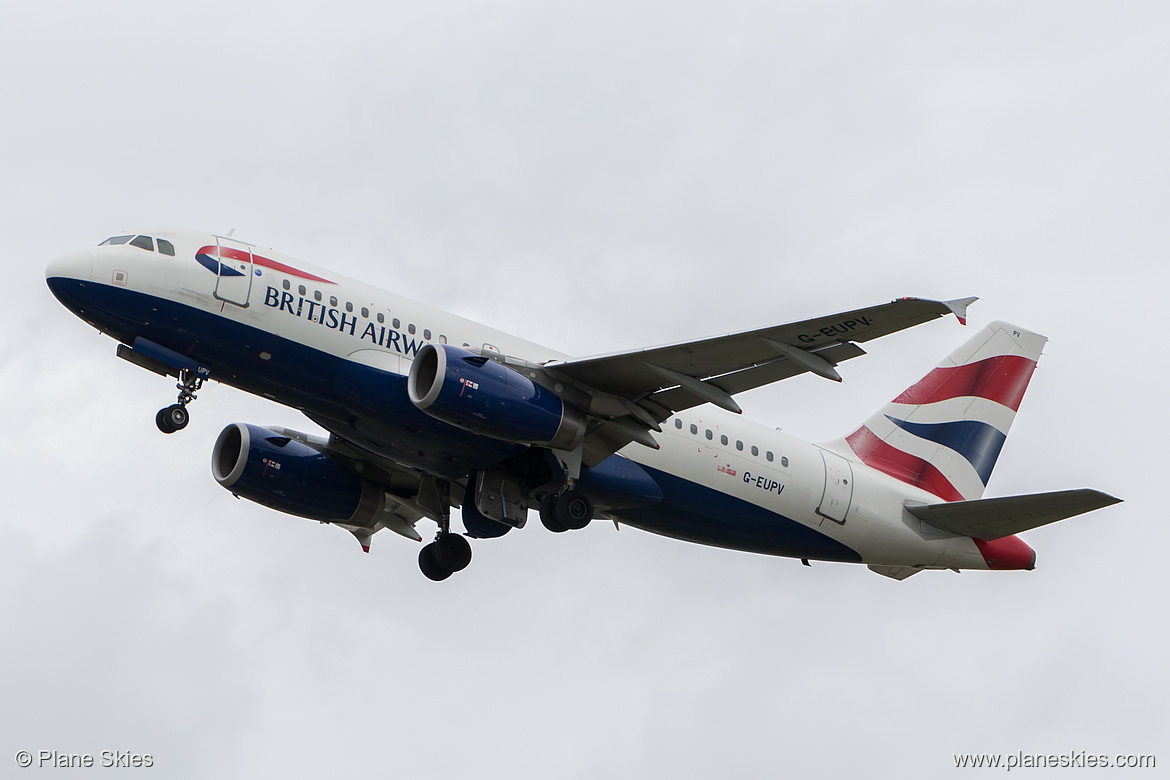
x,y
945,433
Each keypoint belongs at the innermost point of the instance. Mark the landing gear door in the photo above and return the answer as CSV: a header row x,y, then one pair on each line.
x,y
234,280
838,492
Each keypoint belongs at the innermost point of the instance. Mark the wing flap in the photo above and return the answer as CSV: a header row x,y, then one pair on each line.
x,y
994,518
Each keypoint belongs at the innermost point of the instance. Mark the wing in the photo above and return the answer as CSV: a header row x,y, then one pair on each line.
x,y
634,391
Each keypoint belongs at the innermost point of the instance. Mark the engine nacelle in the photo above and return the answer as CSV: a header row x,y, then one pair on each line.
x,y
289,476
486,397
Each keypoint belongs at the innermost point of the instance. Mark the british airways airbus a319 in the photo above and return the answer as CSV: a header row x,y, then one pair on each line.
x,y
426,410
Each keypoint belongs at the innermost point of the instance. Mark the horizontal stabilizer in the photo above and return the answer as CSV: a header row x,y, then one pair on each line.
x,y
994,518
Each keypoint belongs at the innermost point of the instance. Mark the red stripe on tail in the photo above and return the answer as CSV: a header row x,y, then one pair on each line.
x,y
1002,379
910,469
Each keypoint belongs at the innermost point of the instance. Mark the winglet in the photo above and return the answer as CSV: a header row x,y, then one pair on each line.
x,y
959,307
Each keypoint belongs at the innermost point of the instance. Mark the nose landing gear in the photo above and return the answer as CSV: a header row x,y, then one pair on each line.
x,y
175,417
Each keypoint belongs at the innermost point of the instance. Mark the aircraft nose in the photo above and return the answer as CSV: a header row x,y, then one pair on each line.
x,y
71,265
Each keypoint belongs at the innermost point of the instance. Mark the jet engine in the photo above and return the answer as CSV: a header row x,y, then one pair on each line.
x,y
292,477
483,396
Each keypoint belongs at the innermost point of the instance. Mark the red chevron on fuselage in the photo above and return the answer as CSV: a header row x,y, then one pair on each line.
x,y
240,255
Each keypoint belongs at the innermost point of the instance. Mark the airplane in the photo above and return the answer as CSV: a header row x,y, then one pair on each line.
x,y
427,411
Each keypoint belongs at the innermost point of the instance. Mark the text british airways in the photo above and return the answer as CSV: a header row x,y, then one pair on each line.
x,y
335,319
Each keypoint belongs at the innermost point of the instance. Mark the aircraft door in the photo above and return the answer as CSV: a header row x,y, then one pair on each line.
x,y
838,492
234,281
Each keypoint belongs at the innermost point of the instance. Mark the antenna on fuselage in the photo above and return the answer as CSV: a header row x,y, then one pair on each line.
x,y
229,233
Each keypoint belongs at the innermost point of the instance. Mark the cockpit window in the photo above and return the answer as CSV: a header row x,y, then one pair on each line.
x,y
142,242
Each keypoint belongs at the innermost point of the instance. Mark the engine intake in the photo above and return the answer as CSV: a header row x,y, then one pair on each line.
x,y
289,476
483,396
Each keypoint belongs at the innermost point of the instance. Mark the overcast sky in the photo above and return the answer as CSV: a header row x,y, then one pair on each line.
x,y
595,176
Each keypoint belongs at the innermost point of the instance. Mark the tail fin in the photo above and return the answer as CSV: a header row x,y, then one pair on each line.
x,y
945,433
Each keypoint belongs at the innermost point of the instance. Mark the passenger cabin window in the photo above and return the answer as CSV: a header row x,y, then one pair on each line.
x,y
739,445
784,461
116,240
755,451
333,301
768,455
365,312
397,324
166,247
381,318
349,307
723,440
301,290
694,428
410,328
143,242
710,436
678,424
442,339
427,334
286,284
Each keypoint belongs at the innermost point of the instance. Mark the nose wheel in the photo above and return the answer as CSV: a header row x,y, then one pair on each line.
x,y
175,417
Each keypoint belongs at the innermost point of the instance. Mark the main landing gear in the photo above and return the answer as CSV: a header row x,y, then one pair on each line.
x,y
570,511
175,417
449,553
